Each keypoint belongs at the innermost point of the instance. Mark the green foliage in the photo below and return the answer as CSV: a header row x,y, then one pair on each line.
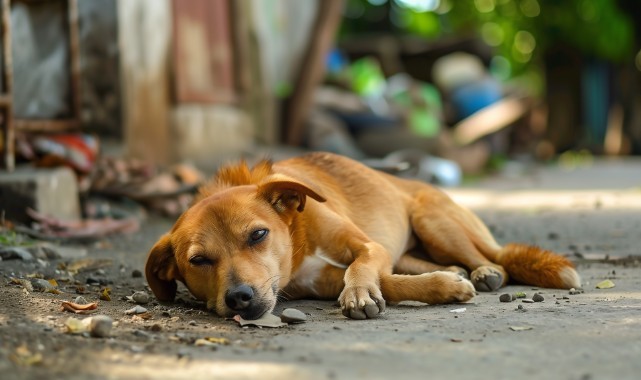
x,y
520,30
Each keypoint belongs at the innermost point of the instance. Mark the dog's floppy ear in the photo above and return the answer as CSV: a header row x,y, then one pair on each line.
x,y
161,270
288,194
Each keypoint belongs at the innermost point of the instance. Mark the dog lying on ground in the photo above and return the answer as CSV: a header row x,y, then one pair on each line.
x,y
324,226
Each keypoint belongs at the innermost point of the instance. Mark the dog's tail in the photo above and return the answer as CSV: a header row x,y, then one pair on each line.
x,y
537,267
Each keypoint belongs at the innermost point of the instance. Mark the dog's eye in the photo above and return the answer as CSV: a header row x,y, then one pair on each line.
x,y
258,236
198,260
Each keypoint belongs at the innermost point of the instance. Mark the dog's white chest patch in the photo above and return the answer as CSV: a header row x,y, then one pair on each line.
x,y
323,256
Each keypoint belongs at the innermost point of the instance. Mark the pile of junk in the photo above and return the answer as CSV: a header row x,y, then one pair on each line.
x,y
434,131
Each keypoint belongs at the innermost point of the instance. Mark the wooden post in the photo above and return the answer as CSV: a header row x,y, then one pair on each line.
x,y
312,69
145,39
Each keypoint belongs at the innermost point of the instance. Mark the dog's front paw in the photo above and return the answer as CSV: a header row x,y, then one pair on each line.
x,y
448,287
361,302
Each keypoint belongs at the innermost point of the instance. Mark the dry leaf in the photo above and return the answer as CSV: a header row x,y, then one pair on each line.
x,y
53,282
105,294
267,320
79,309
605,284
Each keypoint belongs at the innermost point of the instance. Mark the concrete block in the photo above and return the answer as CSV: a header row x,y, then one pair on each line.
x,y
49,191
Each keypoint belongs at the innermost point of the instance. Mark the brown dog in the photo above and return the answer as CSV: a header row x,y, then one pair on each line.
x,y
253,234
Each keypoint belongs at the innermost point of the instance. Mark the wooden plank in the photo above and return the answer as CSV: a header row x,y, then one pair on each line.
x,y
203,55
312,69
144,62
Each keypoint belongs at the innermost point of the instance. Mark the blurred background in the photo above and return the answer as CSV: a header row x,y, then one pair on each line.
x,y
440,90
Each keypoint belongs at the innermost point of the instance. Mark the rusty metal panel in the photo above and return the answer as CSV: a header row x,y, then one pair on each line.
x,y
203,52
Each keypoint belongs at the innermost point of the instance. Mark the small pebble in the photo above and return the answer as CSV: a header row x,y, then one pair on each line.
x,y
505,297
293,316
538,298
80,300
100,326
136,273
140,297
136,310
520,308
40,285
527,300
192,323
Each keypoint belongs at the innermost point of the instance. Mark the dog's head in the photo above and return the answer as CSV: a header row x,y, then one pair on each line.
x,y
232,249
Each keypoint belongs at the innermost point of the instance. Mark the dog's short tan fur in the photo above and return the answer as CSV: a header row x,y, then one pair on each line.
x,y
324,226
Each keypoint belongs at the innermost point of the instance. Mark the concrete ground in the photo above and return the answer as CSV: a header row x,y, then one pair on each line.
x,y
591,213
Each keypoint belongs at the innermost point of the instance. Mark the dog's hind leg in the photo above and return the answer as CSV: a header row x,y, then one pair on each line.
x,y
409,264
453,235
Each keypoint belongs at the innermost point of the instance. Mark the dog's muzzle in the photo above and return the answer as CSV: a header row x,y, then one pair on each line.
x,y
242,300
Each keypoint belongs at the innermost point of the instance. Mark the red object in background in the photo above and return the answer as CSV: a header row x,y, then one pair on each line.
x,y
78,151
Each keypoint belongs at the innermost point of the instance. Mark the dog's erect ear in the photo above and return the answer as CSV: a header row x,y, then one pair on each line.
x,y
287,195
161,270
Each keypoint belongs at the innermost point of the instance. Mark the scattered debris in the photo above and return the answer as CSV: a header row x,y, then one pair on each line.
x,y
537,297
506,297
291,315
26,284
23,357
15,253
78,308
136,310
105,294
460,310
520,328
98,326
519,295
140,297
605,284
50,228
40,285
86,265
211,341
267,320
527,300
573,291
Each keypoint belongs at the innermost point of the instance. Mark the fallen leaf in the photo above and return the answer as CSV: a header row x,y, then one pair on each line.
x,y
520,328
78,308
53,282
605,284
267,320
105,294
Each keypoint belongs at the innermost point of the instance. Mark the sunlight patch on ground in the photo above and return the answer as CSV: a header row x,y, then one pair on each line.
x,y
546,199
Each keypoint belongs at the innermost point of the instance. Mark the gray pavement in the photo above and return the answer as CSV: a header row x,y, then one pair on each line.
x,y
591,213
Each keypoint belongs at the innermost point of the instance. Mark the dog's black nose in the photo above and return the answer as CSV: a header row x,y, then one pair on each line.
x,y
239,298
